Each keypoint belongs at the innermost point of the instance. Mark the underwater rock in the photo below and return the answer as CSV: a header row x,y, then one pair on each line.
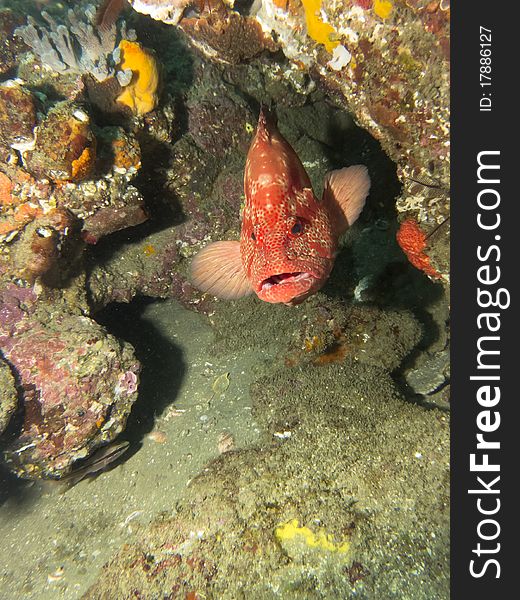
x,y
44,246
202,195
321,332
393,75
369,335
281,83
431,374
227,36
348,496
77,383
169,11
213,125
120,151
54,211
128,213
148,269
11,46
8,395
39,239
17,116
22,199
65,148
106,202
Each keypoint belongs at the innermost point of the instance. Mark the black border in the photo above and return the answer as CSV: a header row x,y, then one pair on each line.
x,y
474,131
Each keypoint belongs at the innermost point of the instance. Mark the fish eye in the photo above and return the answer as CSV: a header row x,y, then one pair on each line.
x,y
253,236
297,228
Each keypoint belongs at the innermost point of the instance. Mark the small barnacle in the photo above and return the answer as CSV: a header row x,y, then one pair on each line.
x,y
44,232
340,58
80,116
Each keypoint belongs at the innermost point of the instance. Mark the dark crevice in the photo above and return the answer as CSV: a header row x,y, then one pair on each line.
x,y
163,365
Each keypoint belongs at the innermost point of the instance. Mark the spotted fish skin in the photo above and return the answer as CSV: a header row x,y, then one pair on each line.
x,y
289,237
285,228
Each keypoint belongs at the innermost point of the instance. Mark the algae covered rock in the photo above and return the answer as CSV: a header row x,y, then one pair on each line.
x,y
65,148
388,62
347,497
11,46
17,116
77,382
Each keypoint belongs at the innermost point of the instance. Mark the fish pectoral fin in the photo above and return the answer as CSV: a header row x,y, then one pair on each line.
x,y
217,269
345,192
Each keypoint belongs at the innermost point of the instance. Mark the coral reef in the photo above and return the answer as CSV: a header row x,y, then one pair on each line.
x,y
103,64
67,166
346,493
396,84
77,383
388,63
64,181
64,166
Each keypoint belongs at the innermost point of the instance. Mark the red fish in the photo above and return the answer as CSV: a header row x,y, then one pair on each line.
x,y
289,238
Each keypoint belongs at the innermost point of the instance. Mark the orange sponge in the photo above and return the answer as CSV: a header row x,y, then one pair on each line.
x,y
319,30
140,95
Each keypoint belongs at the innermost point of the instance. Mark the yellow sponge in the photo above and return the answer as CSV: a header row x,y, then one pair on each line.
x,y
141,93
318,30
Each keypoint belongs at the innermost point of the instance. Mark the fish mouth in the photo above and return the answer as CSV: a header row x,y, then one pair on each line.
x,y
280,279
